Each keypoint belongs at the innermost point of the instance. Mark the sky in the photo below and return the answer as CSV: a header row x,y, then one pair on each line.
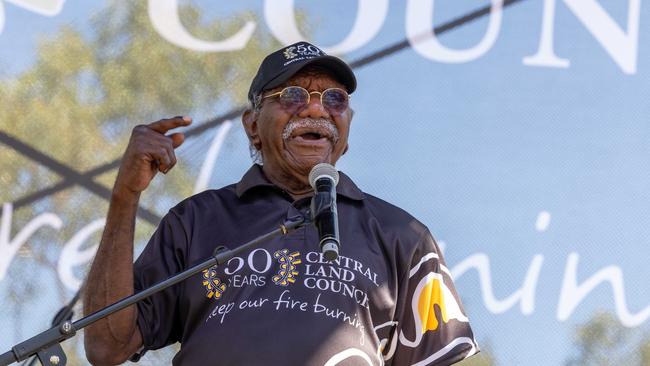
x,y
498,158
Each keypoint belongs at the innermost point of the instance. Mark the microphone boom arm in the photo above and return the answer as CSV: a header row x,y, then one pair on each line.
x,y
46,345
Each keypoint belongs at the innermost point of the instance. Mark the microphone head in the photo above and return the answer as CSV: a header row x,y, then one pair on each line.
x,y
323,170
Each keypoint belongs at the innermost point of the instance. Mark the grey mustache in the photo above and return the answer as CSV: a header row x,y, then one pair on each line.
x,y
312,123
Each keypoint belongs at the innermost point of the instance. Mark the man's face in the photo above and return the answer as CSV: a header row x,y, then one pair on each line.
x,y
309,136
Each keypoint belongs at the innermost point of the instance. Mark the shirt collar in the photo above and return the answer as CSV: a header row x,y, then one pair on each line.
x,y
255,177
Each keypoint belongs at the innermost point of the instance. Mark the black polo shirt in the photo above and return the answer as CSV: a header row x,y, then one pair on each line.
x,y
388,299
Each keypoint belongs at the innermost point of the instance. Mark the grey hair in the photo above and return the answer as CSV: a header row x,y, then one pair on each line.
x,y
256,103
256,155
255,106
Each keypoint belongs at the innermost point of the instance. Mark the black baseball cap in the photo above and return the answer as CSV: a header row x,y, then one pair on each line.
x,y
282,64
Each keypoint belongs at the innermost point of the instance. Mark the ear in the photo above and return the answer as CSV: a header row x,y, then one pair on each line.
x,y
249,121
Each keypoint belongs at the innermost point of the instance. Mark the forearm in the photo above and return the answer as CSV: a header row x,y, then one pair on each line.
x,y
111,279
113,339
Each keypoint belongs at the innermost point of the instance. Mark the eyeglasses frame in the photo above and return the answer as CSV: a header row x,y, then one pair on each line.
x,y
309,93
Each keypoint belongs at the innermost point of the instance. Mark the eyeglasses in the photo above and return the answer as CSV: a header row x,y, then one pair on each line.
x,y
294,98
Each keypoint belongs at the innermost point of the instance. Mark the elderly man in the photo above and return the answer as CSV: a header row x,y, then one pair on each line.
x,y
387,299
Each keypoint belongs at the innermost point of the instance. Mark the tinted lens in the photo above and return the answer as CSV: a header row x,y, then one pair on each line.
x,y
293,97
335,100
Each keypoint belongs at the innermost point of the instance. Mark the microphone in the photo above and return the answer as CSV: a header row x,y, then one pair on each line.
x,y
324,178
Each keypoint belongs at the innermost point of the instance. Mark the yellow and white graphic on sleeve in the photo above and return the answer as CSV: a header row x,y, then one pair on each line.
x,y
432,291
435,292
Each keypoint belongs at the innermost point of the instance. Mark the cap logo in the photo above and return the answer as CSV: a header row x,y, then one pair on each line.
x,y
304,50
289,54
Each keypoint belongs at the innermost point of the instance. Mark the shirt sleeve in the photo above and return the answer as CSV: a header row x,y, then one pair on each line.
x,y
432,327
163,257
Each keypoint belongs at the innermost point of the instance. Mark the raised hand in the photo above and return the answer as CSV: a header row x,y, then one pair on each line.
x,y
114,339
149,151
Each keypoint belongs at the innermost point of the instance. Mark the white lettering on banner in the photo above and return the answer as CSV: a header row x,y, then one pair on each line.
x,y
525,295
371,14
72,255
419,31
545,55
8,247
165,20
572,294
336,280
211,157
43,7
621,46
543,220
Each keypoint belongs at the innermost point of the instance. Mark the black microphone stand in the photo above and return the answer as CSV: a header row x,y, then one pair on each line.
x,y
46,345
64,314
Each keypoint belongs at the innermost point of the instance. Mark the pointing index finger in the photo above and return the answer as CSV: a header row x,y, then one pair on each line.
x,y
165,125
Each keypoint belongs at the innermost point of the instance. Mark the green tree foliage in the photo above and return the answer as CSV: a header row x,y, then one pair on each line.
x,y
484,358
645,351
86,91
78,103
604,341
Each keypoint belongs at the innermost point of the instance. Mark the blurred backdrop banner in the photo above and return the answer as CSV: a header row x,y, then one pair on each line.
x,y
518,131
